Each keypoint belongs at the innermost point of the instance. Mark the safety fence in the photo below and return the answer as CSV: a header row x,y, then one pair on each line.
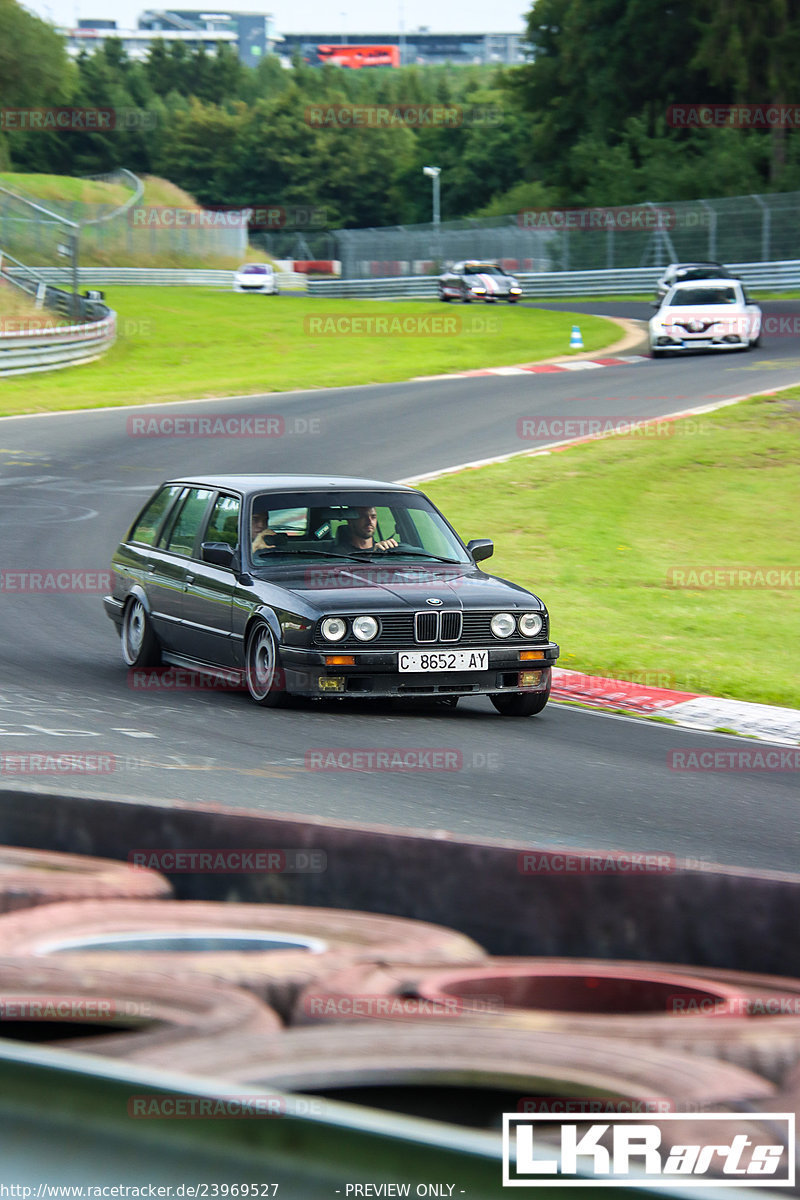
x,y
161,277
752,228
774,276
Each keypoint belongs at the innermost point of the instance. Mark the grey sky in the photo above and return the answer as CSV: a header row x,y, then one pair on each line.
x,y
348,16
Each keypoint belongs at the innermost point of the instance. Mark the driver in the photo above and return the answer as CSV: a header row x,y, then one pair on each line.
x,y
359,534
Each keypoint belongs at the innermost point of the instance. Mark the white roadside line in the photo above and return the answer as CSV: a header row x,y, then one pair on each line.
x,y
547,447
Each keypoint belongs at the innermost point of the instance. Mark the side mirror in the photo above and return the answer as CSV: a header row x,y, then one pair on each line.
x,y
655,304
481,548
220,554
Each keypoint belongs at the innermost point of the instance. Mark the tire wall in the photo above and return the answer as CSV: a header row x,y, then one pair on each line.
x,y
716,916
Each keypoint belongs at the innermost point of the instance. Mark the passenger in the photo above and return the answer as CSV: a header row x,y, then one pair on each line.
x,y
260,533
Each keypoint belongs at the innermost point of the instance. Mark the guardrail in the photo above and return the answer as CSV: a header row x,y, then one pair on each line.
x,y
26,351
775,276
41,344
162,277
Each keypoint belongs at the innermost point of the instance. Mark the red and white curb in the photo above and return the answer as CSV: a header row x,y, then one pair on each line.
x,y
690,709
581,364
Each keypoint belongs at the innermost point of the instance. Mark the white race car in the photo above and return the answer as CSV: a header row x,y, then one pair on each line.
x,y
256,277
712,314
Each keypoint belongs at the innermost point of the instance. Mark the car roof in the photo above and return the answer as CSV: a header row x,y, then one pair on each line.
x,y
712,281
284,483
681,266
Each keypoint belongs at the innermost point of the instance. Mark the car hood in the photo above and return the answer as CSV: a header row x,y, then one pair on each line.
x,y
343,587
495,282
729,317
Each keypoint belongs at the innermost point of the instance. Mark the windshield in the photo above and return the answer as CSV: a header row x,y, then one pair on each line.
x,y
254,269
355,526
483,269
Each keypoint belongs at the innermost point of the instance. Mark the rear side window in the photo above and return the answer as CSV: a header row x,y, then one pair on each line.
x,y
183,535
149,521
223,525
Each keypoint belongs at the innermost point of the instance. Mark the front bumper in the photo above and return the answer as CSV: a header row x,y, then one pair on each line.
x,y
375,673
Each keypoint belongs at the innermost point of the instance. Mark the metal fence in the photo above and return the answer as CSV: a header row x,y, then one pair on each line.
x,y
776,276
52,233
757,228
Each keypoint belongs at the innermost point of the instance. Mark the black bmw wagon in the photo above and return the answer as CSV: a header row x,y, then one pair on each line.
x,y
319,586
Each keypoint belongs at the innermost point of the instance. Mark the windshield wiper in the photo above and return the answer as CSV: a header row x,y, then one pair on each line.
x,y
421,554
276,552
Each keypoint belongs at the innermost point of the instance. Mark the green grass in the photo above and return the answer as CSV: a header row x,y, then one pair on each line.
x,y
595,530
180,343
65,189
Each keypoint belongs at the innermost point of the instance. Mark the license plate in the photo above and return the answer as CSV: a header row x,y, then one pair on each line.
x,y
697,342
444,660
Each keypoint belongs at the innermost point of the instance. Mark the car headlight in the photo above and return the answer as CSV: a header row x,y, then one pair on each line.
x,y
503,625
334,629
530,624
365,628
515,290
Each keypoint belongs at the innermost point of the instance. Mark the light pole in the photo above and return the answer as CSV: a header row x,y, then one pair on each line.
x,y
434,173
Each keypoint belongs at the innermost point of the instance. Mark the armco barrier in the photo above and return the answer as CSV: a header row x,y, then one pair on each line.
x,y
160,277
29,351
775,276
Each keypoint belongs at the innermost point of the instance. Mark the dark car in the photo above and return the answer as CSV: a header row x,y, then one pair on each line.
x,y
686,272
475,280
354,588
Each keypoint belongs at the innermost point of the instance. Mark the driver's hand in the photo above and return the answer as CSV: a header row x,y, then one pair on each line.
x,y
386,544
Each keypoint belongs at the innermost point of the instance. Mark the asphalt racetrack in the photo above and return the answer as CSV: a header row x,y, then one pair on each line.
x,y
70,484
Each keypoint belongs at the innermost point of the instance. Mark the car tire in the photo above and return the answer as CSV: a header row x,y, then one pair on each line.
x,y
267,947
407,1057
465,298
263,673
520,704
756,342
140,646
657,353
445,299
120,1014
30,877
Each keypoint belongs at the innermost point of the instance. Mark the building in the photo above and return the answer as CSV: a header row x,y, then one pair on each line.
x,y
252,35
420,46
